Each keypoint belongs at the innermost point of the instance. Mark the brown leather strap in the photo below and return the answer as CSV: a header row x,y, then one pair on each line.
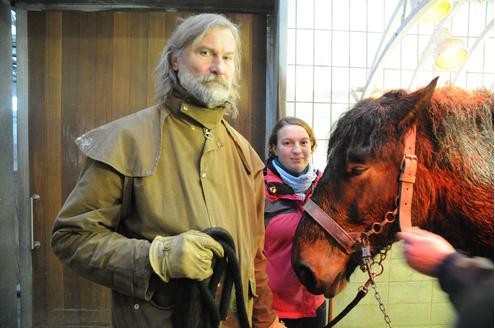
x,y
407,178
327,223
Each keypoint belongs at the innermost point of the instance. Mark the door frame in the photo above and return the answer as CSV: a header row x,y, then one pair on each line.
x,y
276,13
8,244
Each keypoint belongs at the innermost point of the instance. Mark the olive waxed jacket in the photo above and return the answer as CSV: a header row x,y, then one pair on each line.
x,y
191,170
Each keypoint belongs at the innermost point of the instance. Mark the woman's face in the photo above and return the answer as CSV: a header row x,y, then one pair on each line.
x,y
293,148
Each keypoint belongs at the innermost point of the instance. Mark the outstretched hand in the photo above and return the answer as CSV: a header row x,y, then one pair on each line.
x,y
424,251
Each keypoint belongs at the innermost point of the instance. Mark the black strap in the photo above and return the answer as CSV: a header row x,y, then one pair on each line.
x,y
195,303
228,266
361,293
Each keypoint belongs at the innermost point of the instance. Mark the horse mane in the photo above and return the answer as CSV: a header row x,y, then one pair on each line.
x,y
458,124
461,125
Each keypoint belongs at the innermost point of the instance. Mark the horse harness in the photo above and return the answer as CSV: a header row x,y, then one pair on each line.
x,y
352,242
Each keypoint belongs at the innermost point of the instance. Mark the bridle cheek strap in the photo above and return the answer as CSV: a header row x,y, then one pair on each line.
x,y
407,178
332,227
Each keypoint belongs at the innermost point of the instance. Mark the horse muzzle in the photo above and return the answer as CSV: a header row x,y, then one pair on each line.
x,y
315,284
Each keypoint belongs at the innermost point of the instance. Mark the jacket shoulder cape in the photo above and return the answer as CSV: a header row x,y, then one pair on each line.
x,y
132,144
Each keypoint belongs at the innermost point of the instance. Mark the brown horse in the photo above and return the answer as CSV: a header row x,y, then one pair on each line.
x,y
453,191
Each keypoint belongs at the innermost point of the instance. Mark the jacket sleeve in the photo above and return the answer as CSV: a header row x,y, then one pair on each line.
x,y
85,236
464,279
263,314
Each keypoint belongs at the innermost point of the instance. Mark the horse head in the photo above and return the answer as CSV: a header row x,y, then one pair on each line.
x,y
359,187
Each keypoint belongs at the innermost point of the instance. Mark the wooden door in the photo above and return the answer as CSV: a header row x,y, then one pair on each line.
x,y
86,69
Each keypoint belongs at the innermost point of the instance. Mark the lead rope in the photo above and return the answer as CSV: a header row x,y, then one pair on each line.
x,y
229,267
198,305
363,290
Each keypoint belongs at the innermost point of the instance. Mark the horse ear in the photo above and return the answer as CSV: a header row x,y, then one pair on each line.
x,y
420,100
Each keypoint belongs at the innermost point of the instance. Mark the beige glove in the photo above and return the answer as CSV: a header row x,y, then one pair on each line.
x,y
188,255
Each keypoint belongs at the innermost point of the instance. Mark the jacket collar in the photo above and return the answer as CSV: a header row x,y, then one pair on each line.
x,y
132,144
273,181
187,107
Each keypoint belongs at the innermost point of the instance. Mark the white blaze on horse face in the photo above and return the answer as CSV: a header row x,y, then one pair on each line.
x,y
328,269
293,148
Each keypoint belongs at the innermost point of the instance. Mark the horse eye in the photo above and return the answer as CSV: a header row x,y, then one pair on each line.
x,y
357,170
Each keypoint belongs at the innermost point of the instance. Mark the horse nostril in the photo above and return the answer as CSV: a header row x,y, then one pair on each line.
x,y
305,275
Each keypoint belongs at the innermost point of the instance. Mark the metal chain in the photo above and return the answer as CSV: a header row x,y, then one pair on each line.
x,y
382,306
376,228
372,274
383,255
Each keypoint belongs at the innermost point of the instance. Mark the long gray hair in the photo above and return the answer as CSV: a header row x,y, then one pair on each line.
x,y
188,31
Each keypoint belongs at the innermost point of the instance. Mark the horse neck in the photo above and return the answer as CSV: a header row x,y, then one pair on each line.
x,y
459,210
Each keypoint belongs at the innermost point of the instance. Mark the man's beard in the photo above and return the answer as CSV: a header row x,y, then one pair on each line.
x,y
209,89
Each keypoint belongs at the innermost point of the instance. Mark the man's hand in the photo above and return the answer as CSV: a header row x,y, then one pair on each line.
x,y
188,255
424,251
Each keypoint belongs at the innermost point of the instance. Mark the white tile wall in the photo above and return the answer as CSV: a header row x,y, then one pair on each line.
x,y
332,43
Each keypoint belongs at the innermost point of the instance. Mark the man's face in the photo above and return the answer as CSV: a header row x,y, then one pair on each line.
x,y
206,67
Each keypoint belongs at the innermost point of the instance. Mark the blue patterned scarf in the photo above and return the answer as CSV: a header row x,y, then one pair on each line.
x,y
299,183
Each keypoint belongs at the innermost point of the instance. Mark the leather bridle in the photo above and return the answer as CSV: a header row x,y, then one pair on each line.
x,y
407,178
353,242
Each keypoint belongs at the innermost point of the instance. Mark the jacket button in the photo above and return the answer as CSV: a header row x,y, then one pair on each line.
x,y
136,306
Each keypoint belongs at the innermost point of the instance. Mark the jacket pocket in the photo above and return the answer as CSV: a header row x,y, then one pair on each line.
x,y
129,312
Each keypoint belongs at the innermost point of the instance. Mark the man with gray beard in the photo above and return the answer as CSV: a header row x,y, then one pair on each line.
x,y
154,180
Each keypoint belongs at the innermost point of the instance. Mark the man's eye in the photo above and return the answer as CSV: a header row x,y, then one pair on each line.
x,y
204,52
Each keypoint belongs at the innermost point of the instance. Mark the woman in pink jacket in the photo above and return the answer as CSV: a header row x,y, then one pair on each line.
x,y
289,181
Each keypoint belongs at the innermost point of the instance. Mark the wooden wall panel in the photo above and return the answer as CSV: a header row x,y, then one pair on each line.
x,y
103,68
157,36
86,69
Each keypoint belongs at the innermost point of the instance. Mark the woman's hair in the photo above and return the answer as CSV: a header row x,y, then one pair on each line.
x,y
289,120
190,30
